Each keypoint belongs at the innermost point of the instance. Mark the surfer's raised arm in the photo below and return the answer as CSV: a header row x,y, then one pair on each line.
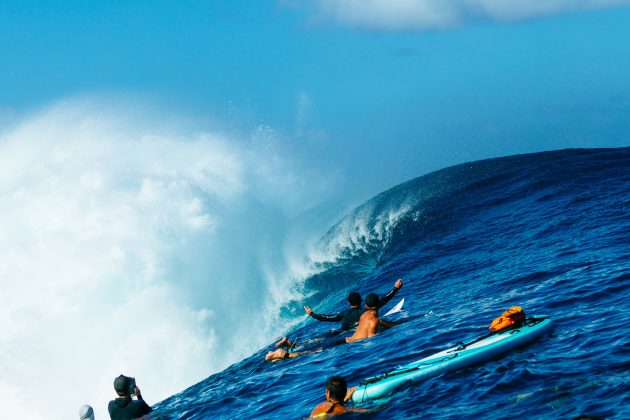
x,y
349,318
383,301
324,317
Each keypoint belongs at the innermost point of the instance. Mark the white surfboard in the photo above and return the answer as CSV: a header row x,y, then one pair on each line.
x,y
396,308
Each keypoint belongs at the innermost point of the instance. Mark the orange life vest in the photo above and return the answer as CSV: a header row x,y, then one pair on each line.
x,y
513,316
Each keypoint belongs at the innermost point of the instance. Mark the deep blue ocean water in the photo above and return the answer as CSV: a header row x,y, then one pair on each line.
x,y
548,231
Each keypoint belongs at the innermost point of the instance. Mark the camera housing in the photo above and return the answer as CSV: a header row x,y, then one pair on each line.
x,y
132,386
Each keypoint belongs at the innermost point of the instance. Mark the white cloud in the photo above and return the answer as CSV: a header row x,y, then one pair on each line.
x,y
439,14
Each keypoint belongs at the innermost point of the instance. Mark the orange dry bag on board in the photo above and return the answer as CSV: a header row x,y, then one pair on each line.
x,y
513,316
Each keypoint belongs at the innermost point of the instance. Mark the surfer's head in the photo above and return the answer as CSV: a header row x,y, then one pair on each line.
x,y
354,299
336,389
371,301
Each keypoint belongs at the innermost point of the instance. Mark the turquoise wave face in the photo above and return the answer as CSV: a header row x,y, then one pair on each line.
x,y
547,231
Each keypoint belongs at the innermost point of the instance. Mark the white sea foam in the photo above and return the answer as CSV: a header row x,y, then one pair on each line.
x,y
133,246
368,229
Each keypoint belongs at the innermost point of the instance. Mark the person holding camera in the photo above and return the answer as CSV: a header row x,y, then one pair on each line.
x,y
124,407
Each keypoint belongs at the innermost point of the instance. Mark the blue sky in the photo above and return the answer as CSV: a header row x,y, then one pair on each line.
x,y
367,93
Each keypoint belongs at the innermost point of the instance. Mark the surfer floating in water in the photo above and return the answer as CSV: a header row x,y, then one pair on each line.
x,y
281,353
350,317
369,325
337,393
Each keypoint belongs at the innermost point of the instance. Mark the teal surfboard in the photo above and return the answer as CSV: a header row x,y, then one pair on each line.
x,y
461,356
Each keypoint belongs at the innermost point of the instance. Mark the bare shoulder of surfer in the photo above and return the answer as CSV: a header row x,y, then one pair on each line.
x,y
337,394
350,317
369,321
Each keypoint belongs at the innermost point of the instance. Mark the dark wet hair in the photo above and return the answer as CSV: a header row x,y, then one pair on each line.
x,y
337,387
371,301
354,299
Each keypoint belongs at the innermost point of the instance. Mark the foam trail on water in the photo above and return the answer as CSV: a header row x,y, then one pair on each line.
x,y
129,248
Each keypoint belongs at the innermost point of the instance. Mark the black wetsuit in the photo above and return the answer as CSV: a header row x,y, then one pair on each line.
x,y
126,408
350,317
